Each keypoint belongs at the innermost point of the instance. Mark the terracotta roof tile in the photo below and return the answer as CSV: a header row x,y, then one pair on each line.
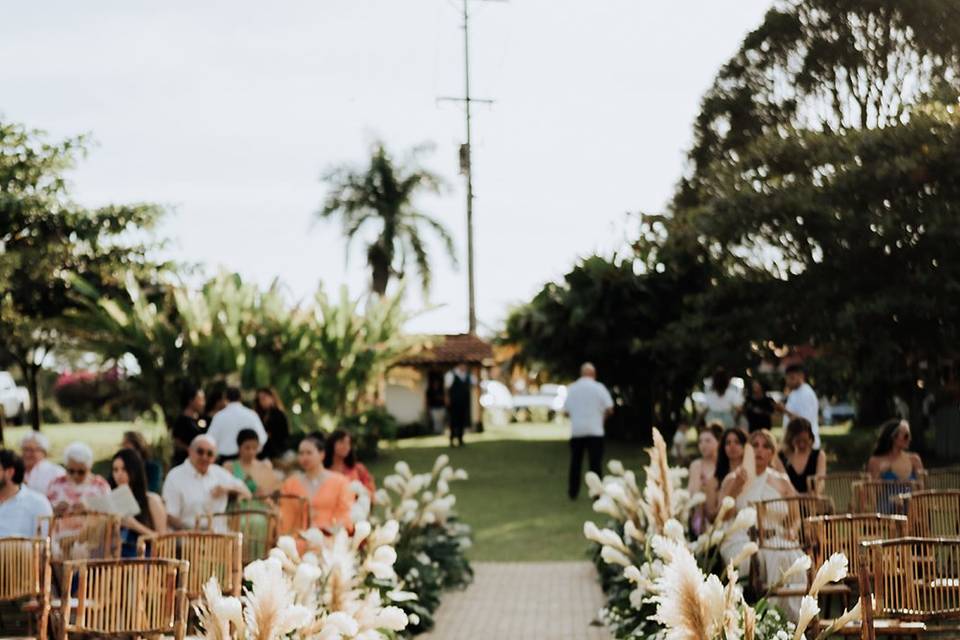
x,y
451,350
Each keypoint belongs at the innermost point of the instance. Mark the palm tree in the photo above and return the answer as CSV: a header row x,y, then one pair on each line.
x,y
382,196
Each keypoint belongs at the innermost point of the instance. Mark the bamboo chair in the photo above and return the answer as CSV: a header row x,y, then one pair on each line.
x,y
259,529
129,597
294,512
836,486
780,528
882,496
910,586
941,478
934,514
82,536
216,555
25,575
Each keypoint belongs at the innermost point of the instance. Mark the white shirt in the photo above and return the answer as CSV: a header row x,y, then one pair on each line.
x,y
230,421
42,474
20,515
730,400
187,494
802,401
587,403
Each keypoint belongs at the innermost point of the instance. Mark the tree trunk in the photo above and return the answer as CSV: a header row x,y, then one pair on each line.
x,y
31,373
381,277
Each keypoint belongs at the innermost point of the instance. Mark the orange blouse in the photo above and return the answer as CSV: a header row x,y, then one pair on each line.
x,y
329,505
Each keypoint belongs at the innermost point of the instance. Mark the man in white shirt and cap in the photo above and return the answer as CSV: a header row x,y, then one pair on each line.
x,y
230,421
39,472
198,486
801,402
588,404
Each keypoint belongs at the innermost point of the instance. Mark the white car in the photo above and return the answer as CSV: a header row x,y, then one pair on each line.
x,y
14,400
550,398
495,395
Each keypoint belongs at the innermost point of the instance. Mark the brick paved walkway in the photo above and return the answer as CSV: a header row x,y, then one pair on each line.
x,y
523,601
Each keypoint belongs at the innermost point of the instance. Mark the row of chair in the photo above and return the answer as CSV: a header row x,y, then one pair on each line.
x,y
855,492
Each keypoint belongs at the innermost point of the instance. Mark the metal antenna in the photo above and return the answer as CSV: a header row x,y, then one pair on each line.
x,y
466,160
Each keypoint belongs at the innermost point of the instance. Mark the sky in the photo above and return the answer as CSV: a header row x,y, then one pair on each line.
x,y
228,113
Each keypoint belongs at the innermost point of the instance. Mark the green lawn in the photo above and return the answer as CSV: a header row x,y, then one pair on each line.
x,y
103,437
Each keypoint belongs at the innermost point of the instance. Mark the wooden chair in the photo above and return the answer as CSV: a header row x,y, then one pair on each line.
x,y
934,514
25,575
129,597
82,536
836,486
209,554
294,512
844,533
259,529
910,586
780,528
882,496
941,478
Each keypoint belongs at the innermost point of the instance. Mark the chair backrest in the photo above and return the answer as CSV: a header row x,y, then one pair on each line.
x,y
209,554
780,521
882,496
912,579
844,533
259,529
294,514
125,597
24,568
836,486
934,514
82,536
942,478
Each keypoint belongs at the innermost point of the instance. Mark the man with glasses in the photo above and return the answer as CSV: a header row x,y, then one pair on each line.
x,y
198,486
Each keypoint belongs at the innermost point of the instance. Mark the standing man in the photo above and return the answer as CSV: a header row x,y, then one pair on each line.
x,y
459,385
801,401
230,421
588,404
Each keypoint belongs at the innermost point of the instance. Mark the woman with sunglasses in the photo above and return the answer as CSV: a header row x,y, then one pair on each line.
x,y
68,492
890,459
127,468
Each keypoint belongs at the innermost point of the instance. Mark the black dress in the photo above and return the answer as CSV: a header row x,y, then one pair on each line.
x,y
799,480
278,434
459,394
185,429
759,412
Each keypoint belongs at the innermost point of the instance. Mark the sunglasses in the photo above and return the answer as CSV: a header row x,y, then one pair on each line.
x,y
206,453
77,472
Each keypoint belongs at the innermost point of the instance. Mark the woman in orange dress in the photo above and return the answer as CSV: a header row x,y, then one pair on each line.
x,y
327,492
339,457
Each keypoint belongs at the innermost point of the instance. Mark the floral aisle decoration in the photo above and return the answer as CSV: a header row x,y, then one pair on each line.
x,y
432,542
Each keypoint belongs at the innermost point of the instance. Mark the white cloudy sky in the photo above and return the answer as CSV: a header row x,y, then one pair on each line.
x,y
229,111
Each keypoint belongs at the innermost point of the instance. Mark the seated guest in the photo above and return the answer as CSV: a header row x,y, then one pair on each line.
x,y
186,427
40,472
247,467
20,506
198,487
230,421
328,492
135,440
891,460
768,484
274,420
702,470
67,494
729,458
127,469
338,456
797,457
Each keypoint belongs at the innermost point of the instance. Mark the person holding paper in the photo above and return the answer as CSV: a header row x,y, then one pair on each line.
x,y
128,471
68,492
198,487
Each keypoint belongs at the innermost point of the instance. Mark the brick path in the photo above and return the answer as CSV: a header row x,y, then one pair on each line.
x,y
523,601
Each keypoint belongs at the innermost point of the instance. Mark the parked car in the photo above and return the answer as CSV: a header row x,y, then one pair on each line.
x,y
495,395
14,400
548,401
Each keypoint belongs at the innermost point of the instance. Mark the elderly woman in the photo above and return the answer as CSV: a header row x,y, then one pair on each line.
x,y
67,493
40,472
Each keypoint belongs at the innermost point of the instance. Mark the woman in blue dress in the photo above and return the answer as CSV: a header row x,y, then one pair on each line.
x,y
892,462
128,469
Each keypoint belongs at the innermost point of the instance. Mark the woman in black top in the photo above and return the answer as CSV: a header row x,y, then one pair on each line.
x,y
797,456
270,410
758,407
185,427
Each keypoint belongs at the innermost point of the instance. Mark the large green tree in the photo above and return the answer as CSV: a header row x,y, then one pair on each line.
x,y
382,197
44,236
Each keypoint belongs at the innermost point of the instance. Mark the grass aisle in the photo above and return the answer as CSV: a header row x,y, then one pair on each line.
x,y
516,497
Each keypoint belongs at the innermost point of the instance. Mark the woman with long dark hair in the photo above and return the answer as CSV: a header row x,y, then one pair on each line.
x,y
338,456
891,460
135,440
729,458
127,469
270,409
701,474
723,400
798,458
328,492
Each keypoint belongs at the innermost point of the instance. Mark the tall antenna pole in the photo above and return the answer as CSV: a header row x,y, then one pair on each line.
x,y
466,165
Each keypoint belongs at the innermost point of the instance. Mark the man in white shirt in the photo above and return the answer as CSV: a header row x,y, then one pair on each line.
x,y
588,404
230,421
39,472
198,487
801,401
20,507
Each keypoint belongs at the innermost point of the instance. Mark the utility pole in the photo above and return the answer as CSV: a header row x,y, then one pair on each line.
x,y
466,162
